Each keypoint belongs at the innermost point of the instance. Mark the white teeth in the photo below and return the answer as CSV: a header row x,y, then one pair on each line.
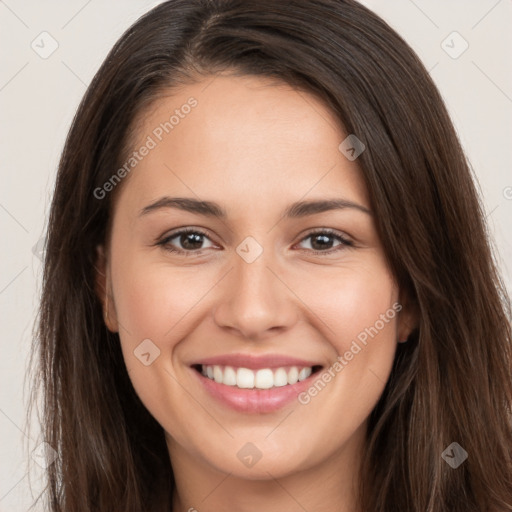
x,y
293,375
304,373
229,376
217,374
280,377
264,378
244,378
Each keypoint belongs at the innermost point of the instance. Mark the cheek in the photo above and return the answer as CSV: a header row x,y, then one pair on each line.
x,y
357,314
363,312
352,302
154,302
152,299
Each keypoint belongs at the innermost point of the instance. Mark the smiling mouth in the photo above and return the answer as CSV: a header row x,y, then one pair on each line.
x,y
263,378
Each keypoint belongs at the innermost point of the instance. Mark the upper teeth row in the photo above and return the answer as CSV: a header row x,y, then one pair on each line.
x,y
265,378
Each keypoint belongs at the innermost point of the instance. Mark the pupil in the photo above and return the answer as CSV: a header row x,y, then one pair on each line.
x,y
191,238
325,242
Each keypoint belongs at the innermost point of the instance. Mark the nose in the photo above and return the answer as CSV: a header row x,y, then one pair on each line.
x,y
255,301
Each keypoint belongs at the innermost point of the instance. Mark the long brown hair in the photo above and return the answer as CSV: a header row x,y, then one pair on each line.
x,y
451,382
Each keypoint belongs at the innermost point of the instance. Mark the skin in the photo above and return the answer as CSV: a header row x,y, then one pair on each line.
x,y
254,147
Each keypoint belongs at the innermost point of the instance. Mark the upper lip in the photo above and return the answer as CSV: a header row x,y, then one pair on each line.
x,y
253,362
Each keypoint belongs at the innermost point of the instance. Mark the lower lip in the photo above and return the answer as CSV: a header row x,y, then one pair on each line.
x,y
255,401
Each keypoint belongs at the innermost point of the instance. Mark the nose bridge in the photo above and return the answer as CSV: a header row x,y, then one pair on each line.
x,y
253,279
254,300
256,290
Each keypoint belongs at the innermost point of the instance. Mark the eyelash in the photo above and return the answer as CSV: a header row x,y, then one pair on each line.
x,y
166,245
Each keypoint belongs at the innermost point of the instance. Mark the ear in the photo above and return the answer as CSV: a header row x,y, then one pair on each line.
x,y
408,318
103,289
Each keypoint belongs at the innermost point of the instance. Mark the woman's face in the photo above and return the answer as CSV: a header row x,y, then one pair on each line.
x,y
260,296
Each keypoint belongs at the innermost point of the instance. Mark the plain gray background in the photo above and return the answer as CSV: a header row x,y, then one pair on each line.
x,y
38,97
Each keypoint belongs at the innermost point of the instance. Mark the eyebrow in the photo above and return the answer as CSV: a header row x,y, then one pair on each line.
x,y
211,209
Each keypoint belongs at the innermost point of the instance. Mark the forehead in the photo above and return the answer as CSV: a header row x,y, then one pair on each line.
x,y
243,137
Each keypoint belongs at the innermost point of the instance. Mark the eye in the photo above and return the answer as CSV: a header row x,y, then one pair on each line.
x,y
321,241
190,239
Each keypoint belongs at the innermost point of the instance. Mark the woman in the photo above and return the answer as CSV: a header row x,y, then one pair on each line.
x,y
268,283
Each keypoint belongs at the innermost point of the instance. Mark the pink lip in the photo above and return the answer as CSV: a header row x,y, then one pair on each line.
x,y
255,401
255,362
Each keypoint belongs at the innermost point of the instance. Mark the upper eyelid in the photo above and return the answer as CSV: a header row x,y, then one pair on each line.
x,y
181,231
